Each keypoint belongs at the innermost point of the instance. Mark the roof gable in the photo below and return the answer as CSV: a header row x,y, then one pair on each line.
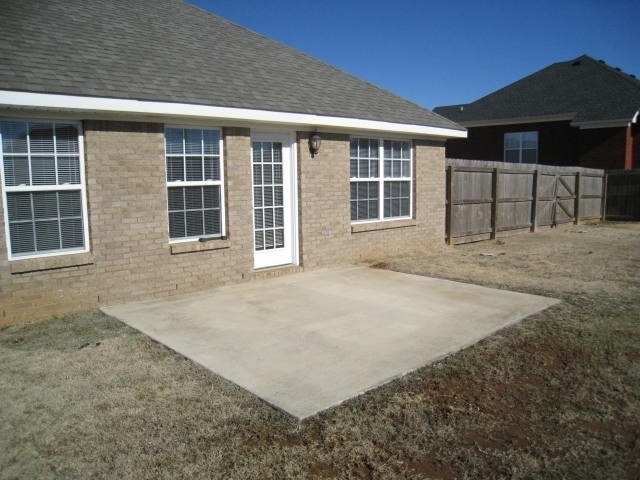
x,y
171,51
584,90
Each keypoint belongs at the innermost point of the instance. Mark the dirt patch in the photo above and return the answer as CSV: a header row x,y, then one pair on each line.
x,y
556,396
322,470
552,356
431,468
501,438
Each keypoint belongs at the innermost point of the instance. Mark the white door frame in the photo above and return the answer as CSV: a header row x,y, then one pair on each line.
x,y
289,254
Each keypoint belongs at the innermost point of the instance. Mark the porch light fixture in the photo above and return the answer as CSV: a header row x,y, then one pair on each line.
x,y
314,144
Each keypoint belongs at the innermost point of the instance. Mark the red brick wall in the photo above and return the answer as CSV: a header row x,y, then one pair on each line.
x,y
557,143
635,150
602,148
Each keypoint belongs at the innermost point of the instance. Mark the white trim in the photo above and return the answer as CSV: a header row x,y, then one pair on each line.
x,y
82,186
634,119
43,188
11,98
375,221
381,179
290,255
294,200
201,183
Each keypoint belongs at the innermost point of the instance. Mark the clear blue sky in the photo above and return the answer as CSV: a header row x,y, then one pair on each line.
x,y
447,52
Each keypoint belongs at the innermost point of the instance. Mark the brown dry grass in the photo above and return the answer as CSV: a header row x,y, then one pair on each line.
x,y
557,396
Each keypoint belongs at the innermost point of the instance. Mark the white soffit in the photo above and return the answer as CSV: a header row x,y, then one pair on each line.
x,y
72,103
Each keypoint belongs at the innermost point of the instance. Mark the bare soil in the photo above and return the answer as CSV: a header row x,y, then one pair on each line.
x,y
555,397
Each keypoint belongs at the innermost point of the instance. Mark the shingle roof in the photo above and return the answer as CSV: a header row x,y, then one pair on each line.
x,y
585,89
169,50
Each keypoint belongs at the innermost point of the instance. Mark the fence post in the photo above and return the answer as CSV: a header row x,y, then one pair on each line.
x,y
494,204
603,204
576,208
534,202
554,222
452,169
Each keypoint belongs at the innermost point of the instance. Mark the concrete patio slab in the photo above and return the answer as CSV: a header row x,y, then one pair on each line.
x,y
309,341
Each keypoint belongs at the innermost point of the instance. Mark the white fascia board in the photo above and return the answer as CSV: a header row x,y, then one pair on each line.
x,y
72,103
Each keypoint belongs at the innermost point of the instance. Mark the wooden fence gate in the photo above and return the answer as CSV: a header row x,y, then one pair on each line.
x,y
487,199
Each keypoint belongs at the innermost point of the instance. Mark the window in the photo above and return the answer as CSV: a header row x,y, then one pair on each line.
x,y
194,183
268,195
44,188
380,179
521,147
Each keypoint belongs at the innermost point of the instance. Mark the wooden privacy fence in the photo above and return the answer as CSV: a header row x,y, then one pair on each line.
x,y
622,195
487,199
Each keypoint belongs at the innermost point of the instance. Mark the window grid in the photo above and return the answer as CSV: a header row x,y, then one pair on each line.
x,y
195,183
521,147
268,195
386,197
58,233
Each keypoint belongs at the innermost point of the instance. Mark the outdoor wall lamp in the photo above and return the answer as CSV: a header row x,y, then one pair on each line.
x,y
314,144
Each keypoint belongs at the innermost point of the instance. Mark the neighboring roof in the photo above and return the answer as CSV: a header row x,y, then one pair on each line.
x,y
583,90
171,51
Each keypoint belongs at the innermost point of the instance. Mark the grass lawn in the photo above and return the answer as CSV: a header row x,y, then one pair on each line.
x,y
556,396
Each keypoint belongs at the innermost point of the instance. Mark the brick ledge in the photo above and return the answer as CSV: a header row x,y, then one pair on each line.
x,y
374,226
51,263
196,246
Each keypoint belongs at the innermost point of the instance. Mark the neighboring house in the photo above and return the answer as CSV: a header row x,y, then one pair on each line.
x,y
150,148
581,112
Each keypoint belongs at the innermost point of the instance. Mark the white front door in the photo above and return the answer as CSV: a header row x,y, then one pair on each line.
x,y
274,202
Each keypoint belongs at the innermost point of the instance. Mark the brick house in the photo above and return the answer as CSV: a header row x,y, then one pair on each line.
x,y
582,112
151,148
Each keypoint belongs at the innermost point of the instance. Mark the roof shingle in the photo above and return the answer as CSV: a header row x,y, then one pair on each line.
x,y
585,89
169,50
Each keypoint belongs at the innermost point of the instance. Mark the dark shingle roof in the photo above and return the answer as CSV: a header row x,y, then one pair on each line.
x,y
169,50
585,89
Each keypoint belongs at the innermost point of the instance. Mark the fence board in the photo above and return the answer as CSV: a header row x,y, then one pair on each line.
x,y
547,185
472,185
566,186
485,198
564,211
512,215
515,185
590,208
471,219
591,185
623,195
545,212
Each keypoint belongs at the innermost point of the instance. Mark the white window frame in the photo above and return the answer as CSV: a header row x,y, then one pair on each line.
x,y
201,183
47,188
520,148
380,179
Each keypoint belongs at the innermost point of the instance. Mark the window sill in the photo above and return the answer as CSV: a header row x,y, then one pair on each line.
x,y
196,246
385,225
50,263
